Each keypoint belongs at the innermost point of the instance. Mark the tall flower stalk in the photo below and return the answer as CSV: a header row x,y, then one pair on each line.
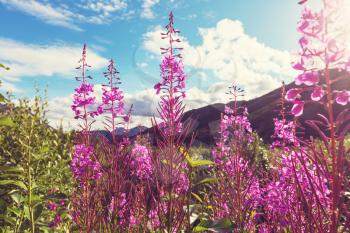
x,y
85,166
237,193
322,53
296,196
112,99
172,180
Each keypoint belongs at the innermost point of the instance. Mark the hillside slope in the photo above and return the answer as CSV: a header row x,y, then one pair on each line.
x,y
261,110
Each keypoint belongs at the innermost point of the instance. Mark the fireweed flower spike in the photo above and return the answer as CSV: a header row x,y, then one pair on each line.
x,y
322,56
112,98
83,100
85,167
295,182
237,194
172,85
321,48
171,164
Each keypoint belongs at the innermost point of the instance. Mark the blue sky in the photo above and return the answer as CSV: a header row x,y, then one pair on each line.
x,y
225,41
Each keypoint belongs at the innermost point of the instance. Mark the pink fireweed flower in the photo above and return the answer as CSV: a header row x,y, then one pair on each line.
x,y
292,94
237,125
172,86
126,213
317,93
311,23
182,183
343,97
298,66
320,48
238,181
112,96
298,108
141,162
83,166
308,78
82,99
52,205
303,42
56,221
282,196
284,131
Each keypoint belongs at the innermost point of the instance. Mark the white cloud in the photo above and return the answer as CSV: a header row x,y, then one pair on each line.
x,y
42,60
232,56
10,86
45,12
141,65
106,7
144,103
152,42
147,11
59,14
104,10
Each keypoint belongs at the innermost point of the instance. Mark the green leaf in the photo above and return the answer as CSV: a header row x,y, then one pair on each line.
x,y
199,163
14,210
11,172
6,121
36,200
44,150
26,212
17,197
2,98
4,67
37,211
7,175
223,225
11,169
208,180
197,197
45,229
3,206
195,163
7,219
18,183
199,229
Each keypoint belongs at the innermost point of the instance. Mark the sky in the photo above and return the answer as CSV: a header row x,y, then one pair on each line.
x,y
250,43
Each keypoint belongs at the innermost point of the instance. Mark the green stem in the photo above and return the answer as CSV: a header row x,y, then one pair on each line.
x,y
189,199
29,175
18,224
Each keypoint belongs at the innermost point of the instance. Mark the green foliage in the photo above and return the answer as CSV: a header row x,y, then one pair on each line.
x,y
223,225
5,120
34,162
4,67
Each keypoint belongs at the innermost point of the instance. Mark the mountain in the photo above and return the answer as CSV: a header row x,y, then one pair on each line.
x,y
133,132
262,111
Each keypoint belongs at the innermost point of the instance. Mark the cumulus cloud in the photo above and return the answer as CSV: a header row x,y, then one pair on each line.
x,y
45,12
232,56
144,104
59,14
152,42
42,60
147,6
105,7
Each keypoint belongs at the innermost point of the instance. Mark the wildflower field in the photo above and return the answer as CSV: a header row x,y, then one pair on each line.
x,y
53,180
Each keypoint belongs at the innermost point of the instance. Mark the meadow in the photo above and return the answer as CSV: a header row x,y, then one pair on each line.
x,y
81,181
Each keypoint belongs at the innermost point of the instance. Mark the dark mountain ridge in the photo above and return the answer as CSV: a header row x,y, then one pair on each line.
x,y
262,110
